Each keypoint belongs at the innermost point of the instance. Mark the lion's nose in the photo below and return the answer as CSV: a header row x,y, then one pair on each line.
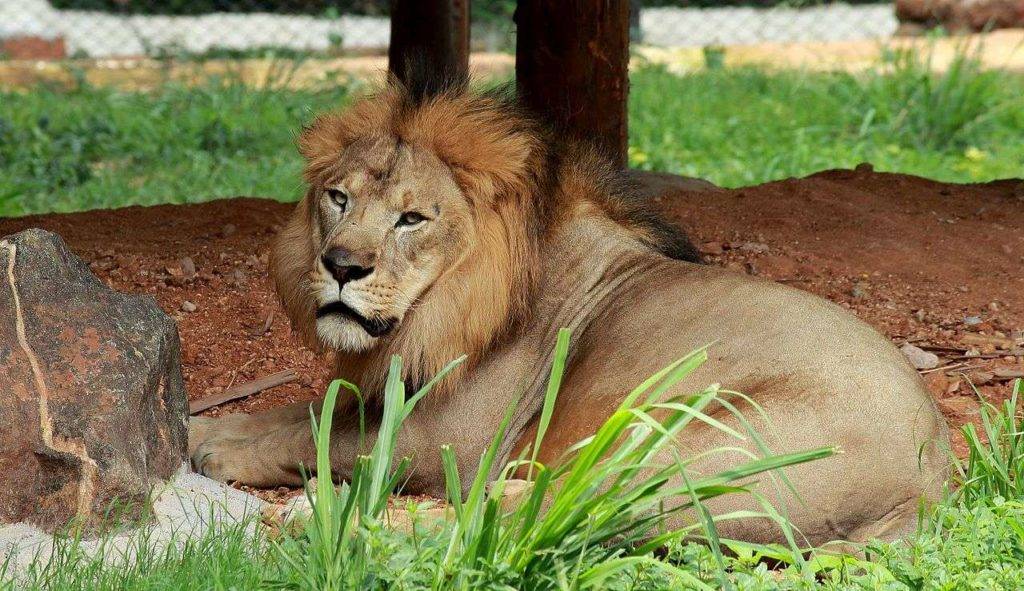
x,y
339,263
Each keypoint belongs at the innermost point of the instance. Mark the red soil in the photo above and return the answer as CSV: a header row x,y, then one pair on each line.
x,y
922,261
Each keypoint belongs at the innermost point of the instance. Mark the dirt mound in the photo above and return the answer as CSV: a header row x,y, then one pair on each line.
x,y
934,264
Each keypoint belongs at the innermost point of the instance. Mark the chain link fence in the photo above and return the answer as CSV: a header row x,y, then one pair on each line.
x,y
55,29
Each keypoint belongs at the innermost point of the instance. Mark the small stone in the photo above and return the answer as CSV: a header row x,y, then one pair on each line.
x,y
980,378
919,314
188,267
859,291
972,320
754,247
188,306
238,276
865,168
920,358
228,230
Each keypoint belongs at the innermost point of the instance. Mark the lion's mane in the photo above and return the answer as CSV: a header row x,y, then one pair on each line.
x,y
522,181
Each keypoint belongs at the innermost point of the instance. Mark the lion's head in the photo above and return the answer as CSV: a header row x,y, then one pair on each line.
x,y
416,235
421,226
388,219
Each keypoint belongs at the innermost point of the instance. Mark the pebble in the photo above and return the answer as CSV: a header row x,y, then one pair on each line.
x,y
972,320
238,276
188,306
754,247
188,267
920,358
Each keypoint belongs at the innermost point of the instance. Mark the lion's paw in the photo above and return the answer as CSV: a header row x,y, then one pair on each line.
x,y
222,459
199,430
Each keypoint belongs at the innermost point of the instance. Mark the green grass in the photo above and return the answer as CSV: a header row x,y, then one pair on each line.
x,y
88,148
745,126
602,526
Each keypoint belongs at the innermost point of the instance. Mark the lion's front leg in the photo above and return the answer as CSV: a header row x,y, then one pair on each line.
x,y
264,449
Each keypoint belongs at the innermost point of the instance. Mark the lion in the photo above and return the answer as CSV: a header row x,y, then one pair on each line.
x,y
440,221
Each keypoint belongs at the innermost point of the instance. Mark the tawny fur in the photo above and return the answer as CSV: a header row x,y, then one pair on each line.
x,y
520,186
533,235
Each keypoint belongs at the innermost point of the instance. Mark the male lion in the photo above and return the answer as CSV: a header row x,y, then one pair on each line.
x,y
439,222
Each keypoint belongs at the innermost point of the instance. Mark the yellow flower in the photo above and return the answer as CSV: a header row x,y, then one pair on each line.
x,y
974,154
637,156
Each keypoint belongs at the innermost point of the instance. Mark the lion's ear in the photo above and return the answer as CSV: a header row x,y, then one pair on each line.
x,y
488,148
488,166
324,136
322,141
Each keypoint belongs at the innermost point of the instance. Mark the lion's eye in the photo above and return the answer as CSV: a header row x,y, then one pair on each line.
x,y
338,197
410,218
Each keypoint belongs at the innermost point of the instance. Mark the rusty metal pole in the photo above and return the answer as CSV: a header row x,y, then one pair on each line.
x,y
572,60
433,32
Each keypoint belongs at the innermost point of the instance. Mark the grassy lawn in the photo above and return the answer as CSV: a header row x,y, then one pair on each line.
x,y
599,530
96,148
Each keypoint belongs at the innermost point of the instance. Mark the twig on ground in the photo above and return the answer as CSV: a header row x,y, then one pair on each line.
x,y
234,374
943,348
997,355
243,390
962,366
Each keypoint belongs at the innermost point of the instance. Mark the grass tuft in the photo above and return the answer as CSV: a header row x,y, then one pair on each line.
x,y
991,472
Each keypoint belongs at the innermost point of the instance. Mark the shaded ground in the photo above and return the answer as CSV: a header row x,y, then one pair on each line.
x,y
934,264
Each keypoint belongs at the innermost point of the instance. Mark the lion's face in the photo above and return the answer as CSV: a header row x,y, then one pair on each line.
x,y
388,220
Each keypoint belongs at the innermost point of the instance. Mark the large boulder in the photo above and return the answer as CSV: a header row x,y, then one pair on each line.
x,y
92,404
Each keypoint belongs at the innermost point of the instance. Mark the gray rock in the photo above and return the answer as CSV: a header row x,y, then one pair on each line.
x,y
92,402
920,358
187,507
